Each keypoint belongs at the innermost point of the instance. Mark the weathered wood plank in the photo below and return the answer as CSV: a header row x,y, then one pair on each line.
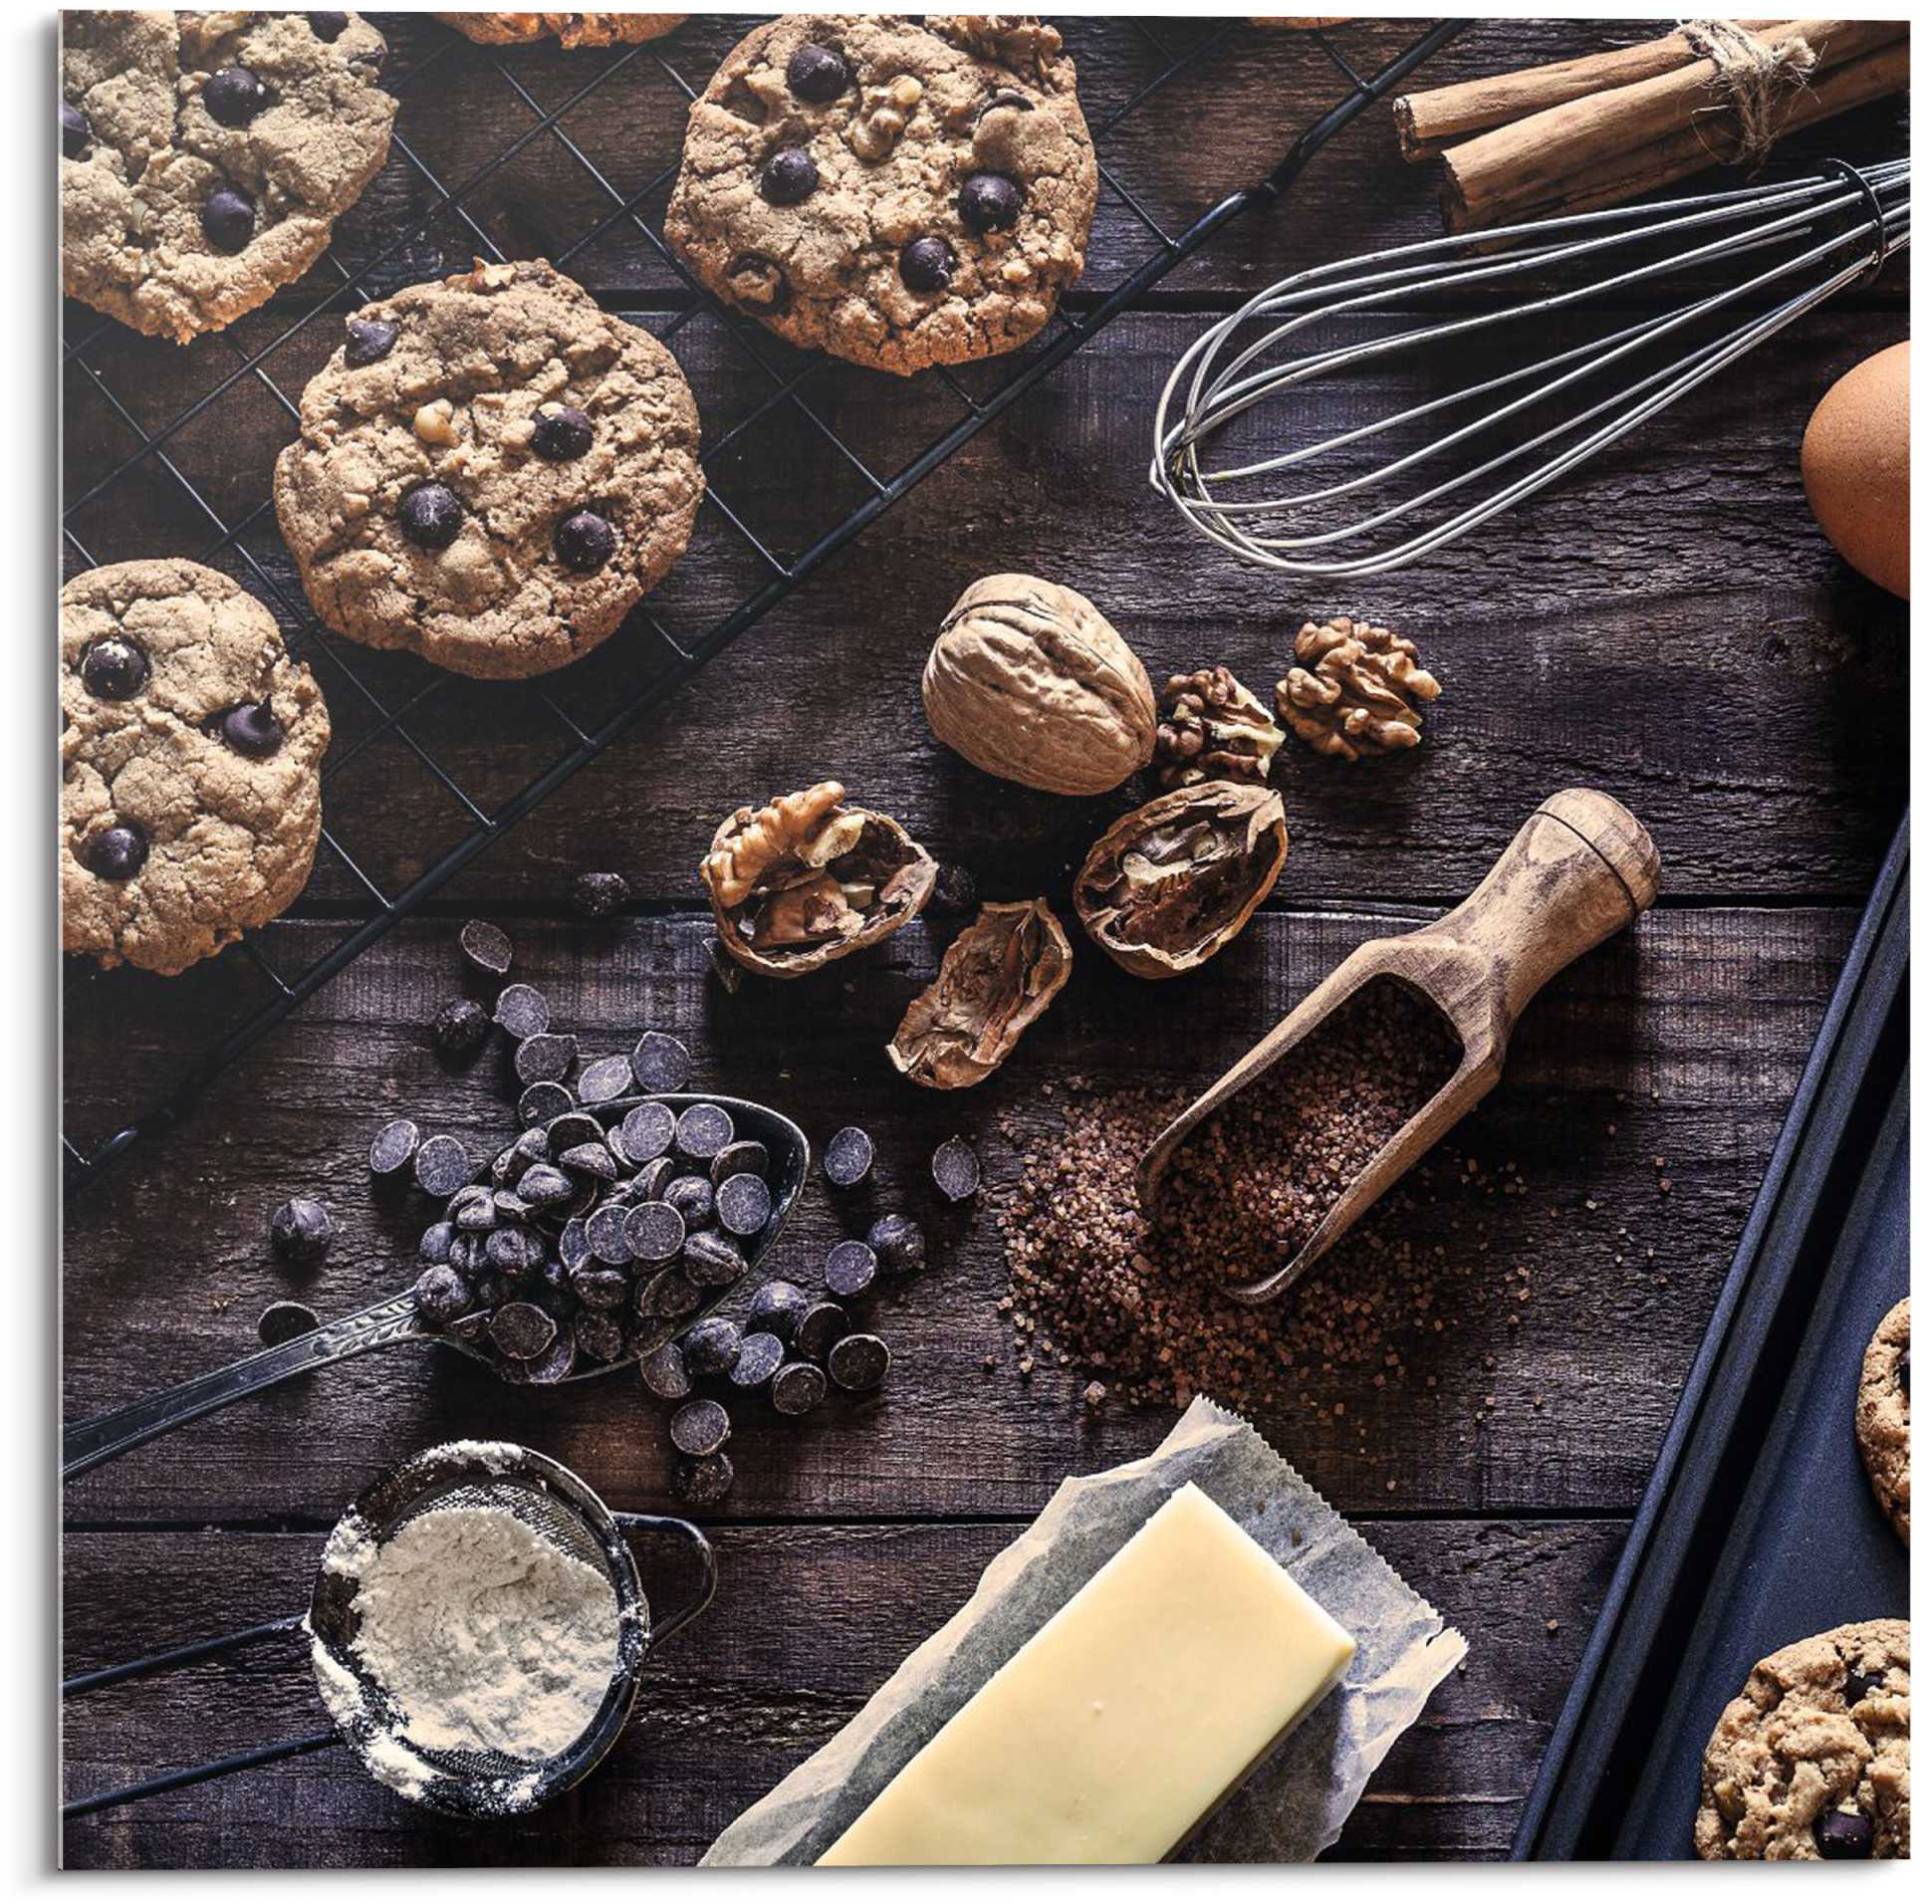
x,y
809,1620
1680,1044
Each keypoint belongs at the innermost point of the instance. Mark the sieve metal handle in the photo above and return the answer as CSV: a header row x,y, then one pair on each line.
x,y
629,1524
87,1444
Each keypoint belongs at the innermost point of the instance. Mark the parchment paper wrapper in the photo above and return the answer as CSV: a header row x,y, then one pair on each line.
x,y
1294,1804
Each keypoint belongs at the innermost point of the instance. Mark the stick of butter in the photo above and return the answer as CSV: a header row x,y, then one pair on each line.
x,y
1126,1718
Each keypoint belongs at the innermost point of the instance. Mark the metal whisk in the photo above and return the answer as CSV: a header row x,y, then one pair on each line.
x,y
1552,378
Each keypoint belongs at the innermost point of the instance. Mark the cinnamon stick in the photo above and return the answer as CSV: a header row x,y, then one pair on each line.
x,y
1587,146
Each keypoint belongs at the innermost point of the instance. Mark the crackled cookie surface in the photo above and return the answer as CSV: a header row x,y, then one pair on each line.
x,y
1883,1417
898,194
205,156
190,755
570,29
1811,1760
491,471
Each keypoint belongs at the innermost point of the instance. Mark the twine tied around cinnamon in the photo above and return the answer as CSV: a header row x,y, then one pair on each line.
x,y
1751,79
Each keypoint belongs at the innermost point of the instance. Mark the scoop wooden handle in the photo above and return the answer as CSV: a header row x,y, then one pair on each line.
x,y
1580,868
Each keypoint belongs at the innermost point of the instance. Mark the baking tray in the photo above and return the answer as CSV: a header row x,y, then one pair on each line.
x,y
1758,1526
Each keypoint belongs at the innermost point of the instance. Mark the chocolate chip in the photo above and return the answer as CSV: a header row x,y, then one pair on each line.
x,y
118,853
927,265
859,1362
251,729
646,1132
585,541
605,1290
282,1321
328,26
441,1294
441,1166
522,1330
514,1253
114,669
820,1328
798,1389
460,1028
543,1186
227,219
989,201
899,1243
711,1347
539,1102
605,1078
669,1296
655,1232
599,896
436,1242
703,1132
699,1428
562,435
1903,1372
546,1057
75,133
569,1128
430,516
300,1231
777,1308
956,1170
849,1156
758,281
1843,1834
600,1337
605,1234
368,340
393,1147
1859,1684
486,948
472,1209
233,96
954,891
789,177
650,1181
693,1198
711,1261
661,1063
817,73
590,1160
743,1154
702,1482
522,1011
850,1269
664,1370
744,1204
759,1361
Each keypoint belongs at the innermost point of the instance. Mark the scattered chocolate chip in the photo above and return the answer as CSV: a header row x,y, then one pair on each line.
x,y
817,74
647,1132
702,1132
251,730
1859,1684
436,1242
655,1232
927,265
798,1389
600,896
850,1269
604,1079
1843,1834
693,1198
820,1328
282,1321
233,96
393,1147
777,1308
522,1011
989,201
114,669
848,1158
705,1481
119,852
954,892
743,1154
546,1057
75,133
328,26
562,435
711,1347
661,1063
441,1166
711,1261
300,1231
758,1362
539,1102
899,1243
599,1336
669,1296
699,1428
956,1170
859,1362
227,219
368,340
744,1204
789,177
460,1028
442,1293
664,1370
585,541
486,948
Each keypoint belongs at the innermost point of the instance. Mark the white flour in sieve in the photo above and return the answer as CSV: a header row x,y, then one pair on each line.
x,y
488,1636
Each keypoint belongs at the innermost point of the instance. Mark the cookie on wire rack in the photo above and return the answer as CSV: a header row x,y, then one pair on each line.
x,y
570,29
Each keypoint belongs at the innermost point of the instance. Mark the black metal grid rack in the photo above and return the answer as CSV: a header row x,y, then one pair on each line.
x,y
399,708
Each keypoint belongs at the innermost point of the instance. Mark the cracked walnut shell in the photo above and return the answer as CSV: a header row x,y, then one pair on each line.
x,y
1029,681
805,879
1211,728
1359,692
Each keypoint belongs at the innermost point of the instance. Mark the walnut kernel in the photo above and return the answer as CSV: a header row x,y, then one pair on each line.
x,y
1359,691
1211,728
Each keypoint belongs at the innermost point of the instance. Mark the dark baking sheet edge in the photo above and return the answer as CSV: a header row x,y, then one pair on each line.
x,y
1628,1674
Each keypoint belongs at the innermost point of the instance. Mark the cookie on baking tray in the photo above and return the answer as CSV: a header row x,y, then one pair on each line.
x,y
190,764
899,194
1811,1760
490,471
570,29
1883,1416
205,156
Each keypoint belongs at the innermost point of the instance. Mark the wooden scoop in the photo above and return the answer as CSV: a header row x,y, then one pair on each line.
x,y
1579,869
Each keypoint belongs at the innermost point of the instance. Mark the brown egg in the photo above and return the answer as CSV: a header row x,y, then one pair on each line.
x,y
1853,461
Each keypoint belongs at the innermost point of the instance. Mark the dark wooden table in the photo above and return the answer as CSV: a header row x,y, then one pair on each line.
x,y
1671,627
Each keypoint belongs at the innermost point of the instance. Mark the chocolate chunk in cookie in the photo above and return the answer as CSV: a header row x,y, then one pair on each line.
x,y
491,472
190,792
1883,1417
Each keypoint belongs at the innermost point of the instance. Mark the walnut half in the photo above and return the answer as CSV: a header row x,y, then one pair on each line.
x,y
1359,691
1211,728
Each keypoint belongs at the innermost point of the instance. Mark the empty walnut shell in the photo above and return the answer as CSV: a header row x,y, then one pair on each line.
x,y
1167,885
998,977
1028,680
806,879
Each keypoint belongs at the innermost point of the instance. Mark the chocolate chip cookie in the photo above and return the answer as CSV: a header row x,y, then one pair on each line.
x,y
1883,1417
190,764
898,194
491,471
570,29
1811,1760
205,156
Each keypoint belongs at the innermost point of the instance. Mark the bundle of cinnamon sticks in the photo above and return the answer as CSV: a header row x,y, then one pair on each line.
x,y
1585,133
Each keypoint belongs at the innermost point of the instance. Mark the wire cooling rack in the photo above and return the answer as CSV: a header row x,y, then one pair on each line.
x,y
254,362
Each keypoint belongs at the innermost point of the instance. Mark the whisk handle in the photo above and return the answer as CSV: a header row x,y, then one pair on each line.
x,y
684,1531
87,1444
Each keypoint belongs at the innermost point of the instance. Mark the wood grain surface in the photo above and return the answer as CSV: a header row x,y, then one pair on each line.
x,y
1669,627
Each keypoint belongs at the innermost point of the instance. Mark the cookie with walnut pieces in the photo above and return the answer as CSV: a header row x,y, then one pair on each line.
x,y
570,29
898,194
491,471
1883,1416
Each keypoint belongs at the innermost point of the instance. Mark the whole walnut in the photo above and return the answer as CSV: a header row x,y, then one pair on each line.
x,y
1029,681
